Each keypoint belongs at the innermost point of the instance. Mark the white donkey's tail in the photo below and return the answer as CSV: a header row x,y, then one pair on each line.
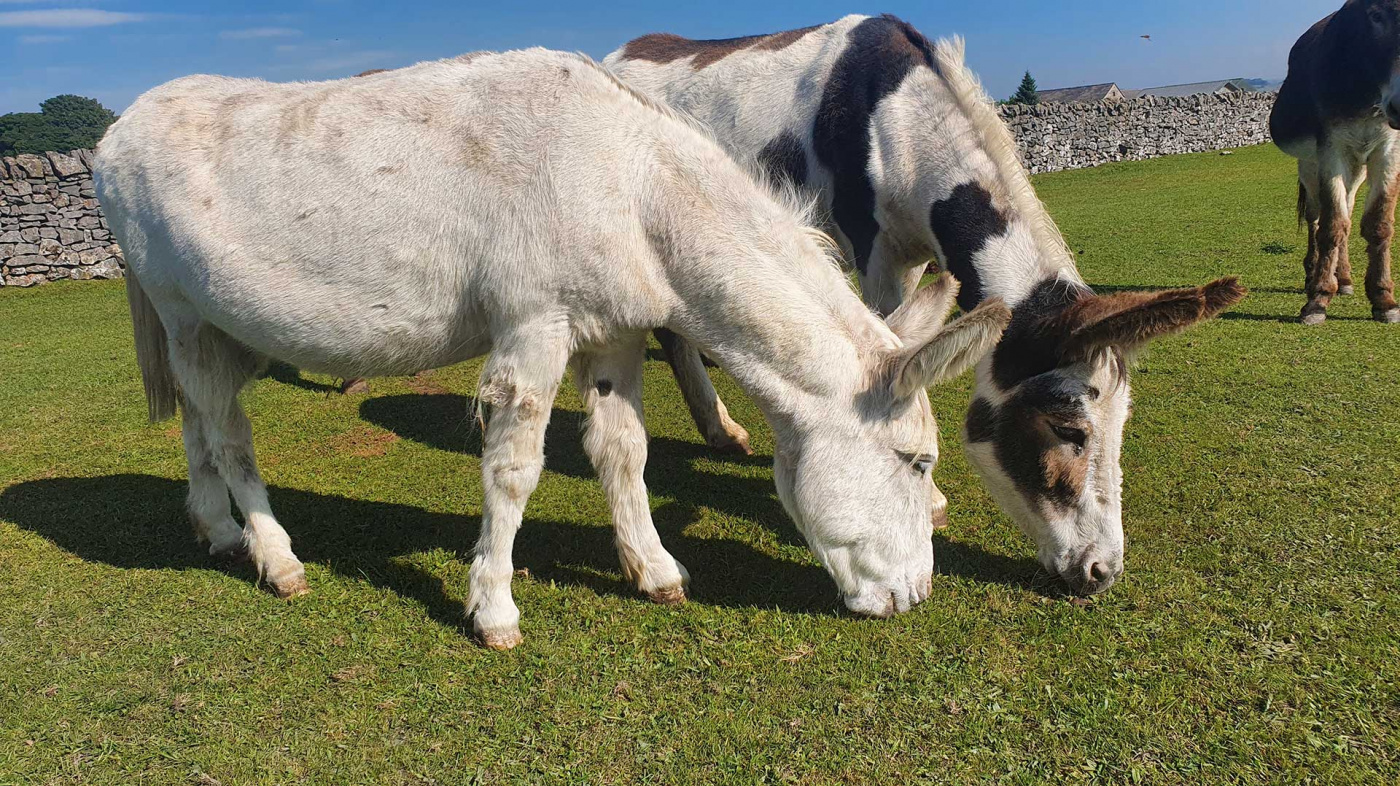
x,y
152,354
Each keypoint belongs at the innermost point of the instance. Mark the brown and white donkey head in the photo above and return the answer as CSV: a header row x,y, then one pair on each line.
x,y
1046,428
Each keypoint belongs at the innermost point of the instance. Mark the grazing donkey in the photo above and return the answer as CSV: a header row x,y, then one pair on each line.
x,y
899,143
1337,113
535,208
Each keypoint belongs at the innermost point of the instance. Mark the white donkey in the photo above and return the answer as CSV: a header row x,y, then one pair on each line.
x,y
895,137
528,205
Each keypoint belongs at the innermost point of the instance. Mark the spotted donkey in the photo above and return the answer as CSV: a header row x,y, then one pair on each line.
x,y
1337,113
903,149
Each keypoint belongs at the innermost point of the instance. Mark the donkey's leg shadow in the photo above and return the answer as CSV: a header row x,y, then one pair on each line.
x,y
135,521
677,469
688,474
139,521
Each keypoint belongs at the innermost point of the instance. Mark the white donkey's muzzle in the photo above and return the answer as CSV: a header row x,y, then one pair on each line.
x,y
884,601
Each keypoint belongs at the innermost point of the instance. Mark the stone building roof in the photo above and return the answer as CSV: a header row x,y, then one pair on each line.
x,y
1086,94
1194,88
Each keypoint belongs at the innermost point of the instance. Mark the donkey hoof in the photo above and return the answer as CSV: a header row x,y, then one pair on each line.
x,y
288,587
739,447
1390,316
1313,318
1346,289
500,640
735,443
230,552
671,596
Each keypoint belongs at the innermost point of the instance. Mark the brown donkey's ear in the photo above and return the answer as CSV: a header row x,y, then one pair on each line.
x,y
1130,319
923,315
953,350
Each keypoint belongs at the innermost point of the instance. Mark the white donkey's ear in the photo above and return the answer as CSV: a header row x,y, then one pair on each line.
x,y
923,315
952,350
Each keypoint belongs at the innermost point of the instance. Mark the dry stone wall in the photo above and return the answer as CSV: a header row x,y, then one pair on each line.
x,y
51,227
1054,137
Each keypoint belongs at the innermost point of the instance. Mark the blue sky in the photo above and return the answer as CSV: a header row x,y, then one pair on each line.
x,y
113,50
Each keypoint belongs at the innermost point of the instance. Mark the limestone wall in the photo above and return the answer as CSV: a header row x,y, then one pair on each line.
x,y
51,226
1053,137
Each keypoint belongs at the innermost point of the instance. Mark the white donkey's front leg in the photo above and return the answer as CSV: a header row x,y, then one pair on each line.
x,y
518,386
610,381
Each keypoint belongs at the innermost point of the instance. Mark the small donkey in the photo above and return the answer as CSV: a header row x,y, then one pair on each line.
x,y
895,137
1337,113
537,209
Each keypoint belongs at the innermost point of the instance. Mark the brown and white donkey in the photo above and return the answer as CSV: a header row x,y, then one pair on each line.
x,y
1338,113
905,152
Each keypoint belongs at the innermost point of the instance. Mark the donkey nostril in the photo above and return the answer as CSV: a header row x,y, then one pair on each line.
x,y
1098,572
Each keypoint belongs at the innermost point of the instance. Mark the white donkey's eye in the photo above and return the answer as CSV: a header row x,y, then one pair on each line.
x,y
922,463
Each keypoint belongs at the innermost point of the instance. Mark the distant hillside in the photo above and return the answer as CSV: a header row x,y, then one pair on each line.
x,y
1266,85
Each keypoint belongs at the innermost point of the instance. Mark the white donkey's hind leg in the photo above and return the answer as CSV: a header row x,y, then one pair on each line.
x,y
211,369
518,386
888,281
610,382
706,408
208,501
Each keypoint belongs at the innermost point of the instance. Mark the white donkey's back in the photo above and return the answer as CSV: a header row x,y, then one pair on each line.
x,y
530,205
374,225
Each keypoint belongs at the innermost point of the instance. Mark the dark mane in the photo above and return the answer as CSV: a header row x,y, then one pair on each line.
x,y
915,39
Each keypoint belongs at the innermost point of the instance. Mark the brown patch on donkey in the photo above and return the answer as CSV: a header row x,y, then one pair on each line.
x,y
669,47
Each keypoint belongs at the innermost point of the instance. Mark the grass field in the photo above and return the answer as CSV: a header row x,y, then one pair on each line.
x,y
1253,638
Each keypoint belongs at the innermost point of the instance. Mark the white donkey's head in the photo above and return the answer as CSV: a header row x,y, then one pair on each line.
x,y
856,476
1046,428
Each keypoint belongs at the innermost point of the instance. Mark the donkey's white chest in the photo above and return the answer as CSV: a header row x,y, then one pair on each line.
x,y
1360,138
1353,140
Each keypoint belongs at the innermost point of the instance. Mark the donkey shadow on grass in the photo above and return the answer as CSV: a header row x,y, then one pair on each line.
x,y
133,521
139,521
441,421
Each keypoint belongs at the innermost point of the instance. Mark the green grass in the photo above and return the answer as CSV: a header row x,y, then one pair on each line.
x,y
1252,640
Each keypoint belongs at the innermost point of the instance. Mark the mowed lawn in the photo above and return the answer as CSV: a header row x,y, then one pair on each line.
x,y
1252,640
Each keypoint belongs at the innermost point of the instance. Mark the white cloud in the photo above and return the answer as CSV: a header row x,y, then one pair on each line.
x,y
67,18
43,39
259,32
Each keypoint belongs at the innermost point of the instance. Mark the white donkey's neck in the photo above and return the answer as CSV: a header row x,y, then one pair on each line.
x,y
765,298
752,284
